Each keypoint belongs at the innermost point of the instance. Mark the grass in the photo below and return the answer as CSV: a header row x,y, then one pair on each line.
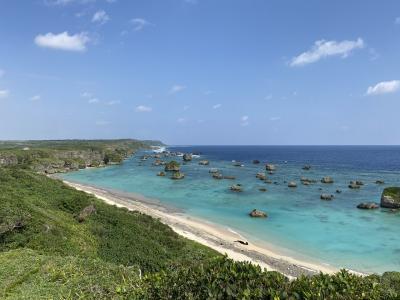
x,y
39,231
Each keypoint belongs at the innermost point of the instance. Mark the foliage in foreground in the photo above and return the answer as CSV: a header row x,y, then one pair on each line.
x,y
222,278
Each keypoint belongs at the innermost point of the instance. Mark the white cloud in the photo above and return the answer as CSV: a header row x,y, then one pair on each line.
x,y
111,1
93,100
190,1
181,120
139,24
186,107
208,92
323,48
384,87
4,94
2,73
268,97
63,41
66,2
35,98
244,120
176,89
100,17
86,95
143,108
216,106
113,102
274,119
397,21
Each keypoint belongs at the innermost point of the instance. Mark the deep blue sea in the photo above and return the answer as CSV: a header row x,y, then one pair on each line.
x,y
299,223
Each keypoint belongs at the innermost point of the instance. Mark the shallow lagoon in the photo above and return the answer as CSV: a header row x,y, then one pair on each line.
x,y
299,223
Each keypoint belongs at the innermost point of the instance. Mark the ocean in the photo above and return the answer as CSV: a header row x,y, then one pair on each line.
x,y
299,224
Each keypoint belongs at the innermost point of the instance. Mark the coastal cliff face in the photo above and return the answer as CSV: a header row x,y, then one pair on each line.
x,y
66,156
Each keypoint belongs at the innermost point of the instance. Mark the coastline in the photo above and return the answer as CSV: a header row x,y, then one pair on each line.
x,y
209,234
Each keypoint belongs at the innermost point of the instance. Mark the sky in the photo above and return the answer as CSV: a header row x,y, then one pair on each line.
x,y
255,72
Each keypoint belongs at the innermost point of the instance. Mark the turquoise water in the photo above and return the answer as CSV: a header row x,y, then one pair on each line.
x,y
299,223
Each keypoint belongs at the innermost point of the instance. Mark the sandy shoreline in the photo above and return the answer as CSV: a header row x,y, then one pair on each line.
x,y
214,236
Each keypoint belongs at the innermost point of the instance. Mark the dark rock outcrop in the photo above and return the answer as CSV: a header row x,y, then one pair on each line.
x,y
85,213
187,157
177,175
261,176
327,179
217,176
292,184
368,205
326,197
236,188
204,162
270,167
255,213
256,161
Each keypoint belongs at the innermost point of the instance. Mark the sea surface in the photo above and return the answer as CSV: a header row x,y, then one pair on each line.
x,y
299,224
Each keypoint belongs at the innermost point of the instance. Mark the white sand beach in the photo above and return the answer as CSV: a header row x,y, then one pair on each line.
x,y
214,236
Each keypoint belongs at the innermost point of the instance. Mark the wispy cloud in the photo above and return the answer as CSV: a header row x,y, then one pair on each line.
x,y
139,24
63,41
100,17
113,102
181,120
208,92
397,21
244,120
190,1
2,73
216,106
66,2
4,94
93,100
273,119
176,89
384,87
35,98
143,108
86,95
322,49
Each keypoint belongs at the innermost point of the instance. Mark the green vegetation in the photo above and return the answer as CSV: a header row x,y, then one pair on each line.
x,y
61,156
393,192
45,216
59,243
172,166
222,278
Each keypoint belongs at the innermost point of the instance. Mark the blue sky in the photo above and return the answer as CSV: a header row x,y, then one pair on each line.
x,y
201,71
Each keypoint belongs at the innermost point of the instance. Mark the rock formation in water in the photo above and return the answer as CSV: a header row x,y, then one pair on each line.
x,y
391,198
172,166
327,179
368,205
255,213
